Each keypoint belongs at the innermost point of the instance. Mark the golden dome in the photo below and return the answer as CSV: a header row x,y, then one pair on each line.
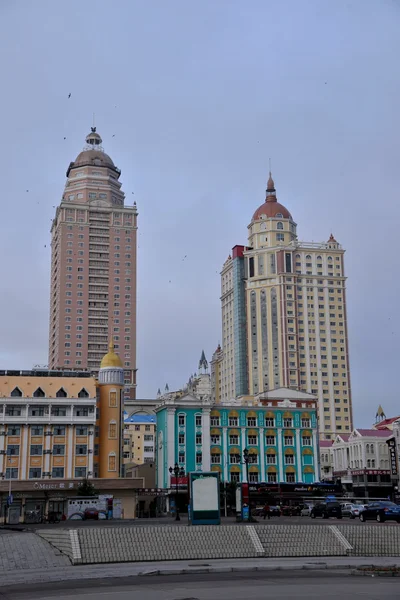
x,y
111,359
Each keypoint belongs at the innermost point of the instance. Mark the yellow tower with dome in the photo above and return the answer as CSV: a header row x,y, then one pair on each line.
x,y
110,407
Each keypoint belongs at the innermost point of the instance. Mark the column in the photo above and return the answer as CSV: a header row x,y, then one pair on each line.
x,y
47,444
281,476
3,458
206,438
91,450
70,451
25,452
170,441
315,449
262,455
298,457
225,454
243,437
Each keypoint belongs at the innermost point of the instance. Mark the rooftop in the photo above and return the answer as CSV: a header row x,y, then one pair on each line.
x,y
384,433
44,373
140,419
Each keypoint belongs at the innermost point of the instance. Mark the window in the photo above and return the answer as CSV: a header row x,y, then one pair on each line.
x,y
214,421
289,459
112,430
270,440
199,458
280,237
234,459
198,420
81,431
137,427
83,393
181,438
181,458
251,422
59,411
233,440
305,422
12,473
215,439
113,399
233,421
272,478
253,477
81,449
288,439
290,478
58,472
16,393
35,473
36,450
80,472
181,420
252,440
59,449
288,422
271,459
56,431
306,440
235,477
14,430
148,438
279,225
39,393
198,438
269,422
12,450
215,459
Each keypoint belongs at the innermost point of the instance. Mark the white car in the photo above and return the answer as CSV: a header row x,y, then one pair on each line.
x,y
351,510
306,511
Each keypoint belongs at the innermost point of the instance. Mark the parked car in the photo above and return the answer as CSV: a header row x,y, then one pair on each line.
x,y
91,513
326,510
350,510
381,512
306,510
275,511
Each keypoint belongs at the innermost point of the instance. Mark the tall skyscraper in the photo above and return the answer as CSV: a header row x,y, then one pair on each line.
x,y
284,317
93,267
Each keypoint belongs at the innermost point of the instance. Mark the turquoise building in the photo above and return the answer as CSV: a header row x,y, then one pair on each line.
x,y
278,428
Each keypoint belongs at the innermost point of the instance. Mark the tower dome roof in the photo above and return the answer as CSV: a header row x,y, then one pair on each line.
x,y
111,359
93,154
271,207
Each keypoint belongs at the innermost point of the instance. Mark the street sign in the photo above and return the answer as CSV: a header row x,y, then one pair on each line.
x,y
10,499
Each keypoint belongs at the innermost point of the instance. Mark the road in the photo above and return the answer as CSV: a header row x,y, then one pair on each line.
x,y
244,586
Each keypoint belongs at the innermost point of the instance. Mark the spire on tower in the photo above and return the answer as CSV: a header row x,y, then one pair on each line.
x,y
203,364
166,388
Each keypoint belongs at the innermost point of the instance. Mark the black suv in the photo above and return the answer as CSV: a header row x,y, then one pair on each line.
x,y
326,510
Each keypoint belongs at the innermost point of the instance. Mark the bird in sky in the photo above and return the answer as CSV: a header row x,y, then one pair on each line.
x,y
113,135
65,138
27,190
69,95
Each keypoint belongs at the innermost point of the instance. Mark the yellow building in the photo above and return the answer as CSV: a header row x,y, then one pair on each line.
x,y
139,439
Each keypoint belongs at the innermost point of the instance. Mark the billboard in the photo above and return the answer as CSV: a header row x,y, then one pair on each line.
x,y
204,498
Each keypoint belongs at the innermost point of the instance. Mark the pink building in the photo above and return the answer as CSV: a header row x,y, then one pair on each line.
x,y
93,267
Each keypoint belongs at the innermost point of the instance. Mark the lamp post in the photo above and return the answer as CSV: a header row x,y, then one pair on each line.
x,y
178,472
246,458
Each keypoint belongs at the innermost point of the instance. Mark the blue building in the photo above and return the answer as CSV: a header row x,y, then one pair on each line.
x,y
278,428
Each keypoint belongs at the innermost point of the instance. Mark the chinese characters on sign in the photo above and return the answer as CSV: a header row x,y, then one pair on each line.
x,y
393,455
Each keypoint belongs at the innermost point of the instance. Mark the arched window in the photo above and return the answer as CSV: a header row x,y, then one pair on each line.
x,y
308,257
319,257
372,449
367,448
83,393
112,462
61,393
330,259
112,430
279,216
298,256
368,464
39,393
373,463
279,225
113,399
16,393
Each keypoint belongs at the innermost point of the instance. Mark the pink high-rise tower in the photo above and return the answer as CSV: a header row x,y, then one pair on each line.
x,y
93,267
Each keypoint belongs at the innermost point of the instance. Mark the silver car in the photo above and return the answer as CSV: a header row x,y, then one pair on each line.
x,y
351,510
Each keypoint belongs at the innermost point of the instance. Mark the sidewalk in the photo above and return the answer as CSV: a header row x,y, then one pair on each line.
x,y
103,571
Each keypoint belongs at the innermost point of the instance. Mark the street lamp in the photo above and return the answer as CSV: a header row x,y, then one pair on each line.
x,y
246,458
178,472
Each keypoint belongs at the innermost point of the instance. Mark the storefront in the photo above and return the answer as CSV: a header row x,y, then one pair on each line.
x,y
42,497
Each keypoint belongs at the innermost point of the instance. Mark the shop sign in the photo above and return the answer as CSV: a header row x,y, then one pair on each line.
x,y
39,485
393,455
370,472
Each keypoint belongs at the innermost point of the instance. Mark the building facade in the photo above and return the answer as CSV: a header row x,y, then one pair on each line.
x,y
288,300
361,460
279,429
139,439
57,425
93,267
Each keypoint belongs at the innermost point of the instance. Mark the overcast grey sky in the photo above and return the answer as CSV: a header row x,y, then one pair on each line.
x,y
199,94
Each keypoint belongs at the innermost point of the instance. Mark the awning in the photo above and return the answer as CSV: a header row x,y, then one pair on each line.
x,y
305,415
272,469
252,414
253,469
287,415
290,470
289,451
234,469
271,451
234,450
306,432
308,470
215,413
270,432
233,413
215,432
252,432
253,451
216,468
234,432
307,451
215,450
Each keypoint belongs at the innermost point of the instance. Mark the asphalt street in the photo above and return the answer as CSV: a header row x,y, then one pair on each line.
x,y
244,586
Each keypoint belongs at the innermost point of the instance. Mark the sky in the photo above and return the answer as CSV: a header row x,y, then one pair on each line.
x,y
191,99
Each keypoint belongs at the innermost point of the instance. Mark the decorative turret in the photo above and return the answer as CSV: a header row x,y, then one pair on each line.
x,y
111,368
